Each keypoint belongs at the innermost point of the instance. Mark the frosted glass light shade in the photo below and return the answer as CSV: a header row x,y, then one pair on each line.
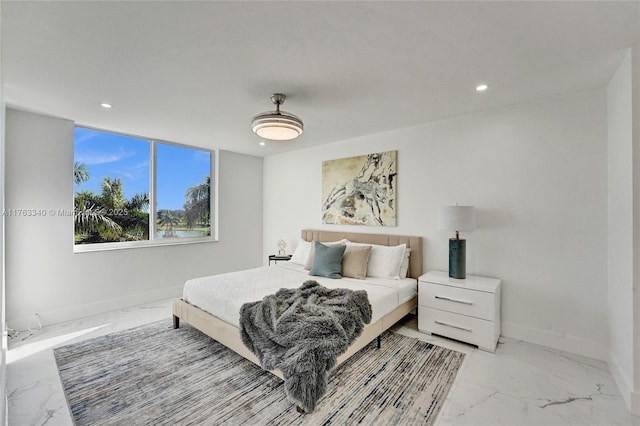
x,y
457,218
275,125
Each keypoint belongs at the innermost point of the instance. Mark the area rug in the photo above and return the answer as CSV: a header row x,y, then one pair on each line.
x,y
155,375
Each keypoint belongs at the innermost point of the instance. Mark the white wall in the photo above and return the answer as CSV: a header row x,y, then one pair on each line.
x,y
3,325
43,273
620,228
537,174
635,100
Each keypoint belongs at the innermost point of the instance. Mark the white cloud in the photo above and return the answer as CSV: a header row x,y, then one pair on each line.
x,y
90,157
133,172
201,156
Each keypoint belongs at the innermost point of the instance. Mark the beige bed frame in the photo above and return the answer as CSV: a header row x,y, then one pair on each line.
x,y
229,335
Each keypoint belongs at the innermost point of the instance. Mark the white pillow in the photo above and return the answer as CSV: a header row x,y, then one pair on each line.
x,y
384,261
404,267
301,253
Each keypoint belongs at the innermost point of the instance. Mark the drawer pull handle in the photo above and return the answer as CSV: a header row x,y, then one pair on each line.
x,y
453,326
454,300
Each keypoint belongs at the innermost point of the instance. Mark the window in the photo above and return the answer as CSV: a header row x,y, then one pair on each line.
x,y
183,192
130,191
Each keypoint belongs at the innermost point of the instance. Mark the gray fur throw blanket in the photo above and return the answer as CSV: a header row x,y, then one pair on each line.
x,y
301,332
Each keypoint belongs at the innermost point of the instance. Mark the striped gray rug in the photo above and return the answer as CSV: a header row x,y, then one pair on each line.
x,y
155,375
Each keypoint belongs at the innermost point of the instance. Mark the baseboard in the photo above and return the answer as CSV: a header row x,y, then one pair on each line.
x,y
630,396
563,342
81,311
635,403
622,381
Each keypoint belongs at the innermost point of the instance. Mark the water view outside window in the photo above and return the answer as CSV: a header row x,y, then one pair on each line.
x,y
183,188
113,188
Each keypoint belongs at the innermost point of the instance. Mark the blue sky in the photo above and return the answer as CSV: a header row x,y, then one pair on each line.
x,y
126,157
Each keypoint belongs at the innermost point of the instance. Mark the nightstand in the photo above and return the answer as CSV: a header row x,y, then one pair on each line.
x,y
466,310
278,257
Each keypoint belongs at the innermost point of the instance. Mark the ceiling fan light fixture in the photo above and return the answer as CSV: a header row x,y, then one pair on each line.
x,y
277,125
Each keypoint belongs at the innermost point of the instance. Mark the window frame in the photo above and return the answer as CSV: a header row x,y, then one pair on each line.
x,y
153,241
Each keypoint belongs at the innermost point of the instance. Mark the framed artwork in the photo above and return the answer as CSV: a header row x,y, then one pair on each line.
x,y
360,190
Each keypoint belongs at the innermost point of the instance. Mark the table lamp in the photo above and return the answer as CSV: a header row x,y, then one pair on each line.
x,y
457,218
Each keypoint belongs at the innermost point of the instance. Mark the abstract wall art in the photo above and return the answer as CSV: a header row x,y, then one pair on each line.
x,y
360,190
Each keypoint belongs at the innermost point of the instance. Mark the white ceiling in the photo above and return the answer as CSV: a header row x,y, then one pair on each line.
x,y
197,72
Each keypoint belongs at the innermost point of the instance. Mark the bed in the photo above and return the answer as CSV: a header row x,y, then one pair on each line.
x,y
219,323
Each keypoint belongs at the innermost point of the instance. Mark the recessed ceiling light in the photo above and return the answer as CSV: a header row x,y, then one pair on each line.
x,y
481,87
105,105
262,143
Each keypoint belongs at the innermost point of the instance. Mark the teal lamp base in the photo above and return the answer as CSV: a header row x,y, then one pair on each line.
x,y
457,258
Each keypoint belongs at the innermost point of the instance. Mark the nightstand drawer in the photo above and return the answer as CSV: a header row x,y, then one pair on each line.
x,y
476,331
477,304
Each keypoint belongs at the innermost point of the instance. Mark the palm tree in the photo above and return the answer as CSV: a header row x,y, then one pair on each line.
x,y
80,173
110,216
168,220
201,191
91,222
138,202
136,219
198,202
112,196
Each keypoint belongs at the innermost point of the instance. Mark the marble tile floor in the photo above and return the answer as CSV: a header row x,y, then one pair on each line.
x,y
521,384
529,385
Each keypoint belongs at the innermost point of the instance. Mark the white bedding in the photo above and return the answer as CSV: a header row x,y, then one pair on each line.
x,y
223,295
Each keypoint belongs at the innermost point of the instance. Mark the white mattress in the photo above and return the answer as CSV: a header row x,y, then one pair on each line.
x,y
223,295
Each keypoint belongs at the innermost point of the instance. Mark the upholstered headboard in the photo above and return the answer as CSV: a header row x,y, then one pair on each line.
x,y
414,243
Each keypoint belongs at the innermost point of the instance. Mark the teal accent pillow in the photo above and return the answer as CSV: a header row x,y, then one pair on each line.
x,y
327,261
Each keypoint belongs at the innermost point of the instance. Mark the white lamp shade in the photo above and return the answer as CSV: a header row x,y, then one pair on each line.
x,y
457,218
